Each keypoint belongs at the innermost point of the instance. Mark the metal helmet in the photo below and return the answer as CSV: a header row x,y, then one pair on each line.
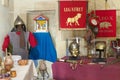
x,y
18,21
100,46
74,49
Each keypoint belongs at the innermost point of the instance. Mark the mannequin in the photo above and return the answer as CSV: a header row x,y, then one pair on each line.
x,y
19,38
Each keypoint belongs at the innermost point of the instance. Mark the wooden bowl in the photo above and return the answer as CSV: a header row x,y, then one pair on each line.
x,y
23,62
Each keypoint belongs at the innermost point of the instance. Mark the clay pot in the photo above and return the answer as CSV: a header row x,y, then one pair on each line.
x,y
13,73
7,67
8,63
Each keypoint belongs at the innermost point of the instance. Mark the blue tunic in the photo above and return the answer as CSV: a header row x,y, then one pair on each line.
x,y
45,48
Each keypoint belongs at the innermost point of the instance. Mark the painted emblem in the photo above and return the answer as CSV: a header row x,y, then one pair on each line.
x,y
105,25
73,20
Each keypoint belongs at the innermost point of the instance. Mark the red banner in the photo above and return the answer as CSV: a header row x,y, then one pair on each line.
x,y
72,15
107,26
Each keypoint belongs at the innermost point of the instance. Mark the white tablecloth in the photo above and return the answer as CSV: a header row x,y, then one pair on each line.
x,y
26,72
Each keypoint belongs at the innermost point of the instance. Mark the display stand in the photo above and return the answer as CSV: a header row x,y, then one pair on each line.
x,y
100,51
100,59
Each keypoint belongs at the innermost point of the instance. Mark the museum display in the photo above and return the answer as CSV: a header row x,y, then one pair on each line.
x,y
79,38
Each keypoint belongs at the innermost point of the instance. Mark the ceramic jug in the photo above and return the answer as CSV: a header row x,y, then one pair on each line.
x,y
8,63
